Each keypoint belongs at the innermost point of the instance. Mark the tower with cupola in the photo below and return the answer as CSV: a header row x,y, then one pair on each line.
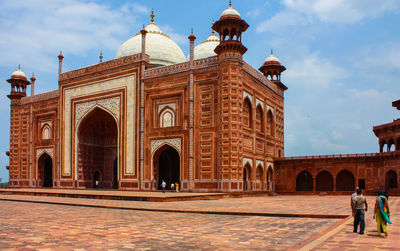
x,y
230,28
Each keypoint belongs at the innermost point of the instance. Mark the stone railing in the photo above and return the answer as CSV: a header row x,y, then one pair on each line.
x,y
339,156
102,66
40,97
259,76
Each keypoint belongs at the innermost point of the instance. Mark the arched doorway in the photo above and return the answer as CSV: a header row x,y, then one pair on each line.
x,y
324,181
246,177
97,149
167,162
45,170
345,181
391,180
304,182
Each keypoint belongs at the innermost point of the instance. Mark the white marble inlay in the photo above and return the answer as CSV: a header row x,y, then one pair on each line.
x,y
110,104
269,108
259,102
247,160
246,94
260,162
40,151
172,106
156,143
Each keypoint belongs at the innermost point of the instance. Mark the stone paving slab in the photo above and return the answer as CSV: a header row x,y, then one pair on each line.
x,y
32,226
303,233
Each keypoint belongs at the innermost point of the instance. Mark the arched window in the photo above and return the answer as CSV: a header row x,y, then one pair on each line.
x,y
259,173
324,181
304,181
391,180
247,113
391,145
167,118
345,181
46,132
270,124
259,119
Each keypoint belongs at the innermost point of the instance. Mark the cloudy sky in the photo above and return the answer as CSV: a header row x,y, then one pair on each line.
x,y
342,56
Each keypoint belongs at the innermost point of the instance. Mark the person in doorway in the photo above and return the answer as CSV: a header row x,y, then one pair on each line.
x,y
382,213
351,200
172,186
177,186
163,185
359,211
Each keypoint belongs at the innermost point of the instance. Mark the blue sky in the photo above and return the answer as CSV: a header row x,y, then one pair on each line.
x,y
342,56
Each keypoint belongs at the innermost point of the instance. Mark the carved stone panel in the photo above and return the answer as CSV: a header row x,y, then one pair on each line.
x,y
156,143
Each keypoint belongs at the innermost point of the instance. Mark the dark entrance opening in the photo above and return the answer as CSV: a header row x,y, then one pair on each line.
x,y
361,183
97,149
324,181
115,174
304,182
96,179
345,181
391,180
46,170
168,162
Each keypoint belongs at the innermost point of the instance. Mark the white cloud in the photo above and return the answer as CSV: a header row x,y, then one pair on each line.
x,y
282,20
74,26
254,13
314,72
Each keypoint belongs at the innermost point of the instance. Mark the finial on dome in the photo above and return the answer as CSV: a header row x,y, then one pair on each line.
x,y
19,66
272,52
152,15
230,3
101,56
212,31
192,31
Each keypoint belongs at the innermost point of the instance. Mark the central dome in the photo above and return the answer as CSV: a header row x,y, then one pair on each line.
x,y
161,49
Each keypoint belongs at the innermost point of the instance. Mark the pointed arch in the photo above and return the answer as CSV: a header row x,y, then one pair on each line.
x,y
247,113
167,117
270,178
391,180
270,124
345,181
247,177
304,181
324,181
97,147
166,161
45,170
46,132
259,118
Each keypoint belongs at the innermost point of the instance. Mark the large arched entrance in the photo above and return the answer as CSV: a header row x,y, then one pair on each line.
x,y
97,149
45,170
304,182
166,163
345,181
324,181
391,180
246,177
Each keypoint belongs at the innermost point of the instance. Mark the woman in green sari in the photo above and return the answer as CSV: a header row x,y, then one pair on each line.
x,y
382,213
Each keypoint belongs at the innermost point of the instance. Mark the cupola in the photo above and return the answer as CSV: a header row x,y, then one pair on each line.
x,y
272,69
18,82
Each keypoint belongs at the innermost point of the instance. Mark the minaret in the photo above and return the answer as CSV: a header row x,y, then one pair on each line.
x,y
272,69
18,82
230,27
33,80
192,96
60,59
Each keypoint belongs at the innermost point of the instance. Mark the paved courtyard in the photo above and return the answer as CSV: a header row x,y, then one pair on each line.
x,y
95,224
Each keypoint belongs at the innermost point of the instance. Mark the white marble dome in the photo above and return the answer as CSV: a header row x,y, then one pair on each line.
x,y
272,58
18,73
206,48
230,11
161,49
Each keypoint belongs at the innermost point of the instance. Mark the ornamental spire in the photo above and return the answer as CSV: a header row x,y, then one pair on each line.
x,y
230,3
152,15
101,56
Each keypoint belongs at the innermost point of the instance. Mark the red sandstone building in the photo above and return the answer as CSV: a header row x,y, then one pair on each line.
x,y
210,122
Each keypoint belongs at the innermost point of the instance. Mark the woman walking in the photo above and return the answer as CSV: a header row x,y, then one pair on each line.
x,y
382,213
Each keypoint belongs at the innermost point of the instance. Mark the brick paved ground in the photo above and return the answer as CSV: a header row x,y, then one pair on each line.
x,y
37,226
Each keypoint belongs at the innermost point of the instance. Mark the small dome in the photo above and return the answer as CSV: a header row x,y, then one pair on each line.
x,y
206,48
272,58
230,11
18,74
161,49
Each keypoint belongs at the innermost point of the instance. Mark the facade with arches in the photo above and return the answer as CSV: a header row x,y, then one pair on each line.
x,y
209,122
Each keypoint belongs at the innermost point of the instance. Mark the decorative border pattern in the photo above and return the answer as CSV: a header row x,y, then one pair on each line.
x,y
269,108
40,151
270,164
156,143
260,162
247,160
172,105
258,101
46,122
111,104
246,94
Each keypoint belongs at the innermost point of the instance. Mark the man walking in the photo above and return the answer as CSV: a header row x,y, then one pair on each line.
x,y
163,185
359,211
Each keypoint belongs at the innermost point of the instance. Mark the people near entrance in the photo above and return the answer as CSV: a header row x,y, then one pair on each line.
x,y
382,213
351,200
359,206
177,186
172,186
163,185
